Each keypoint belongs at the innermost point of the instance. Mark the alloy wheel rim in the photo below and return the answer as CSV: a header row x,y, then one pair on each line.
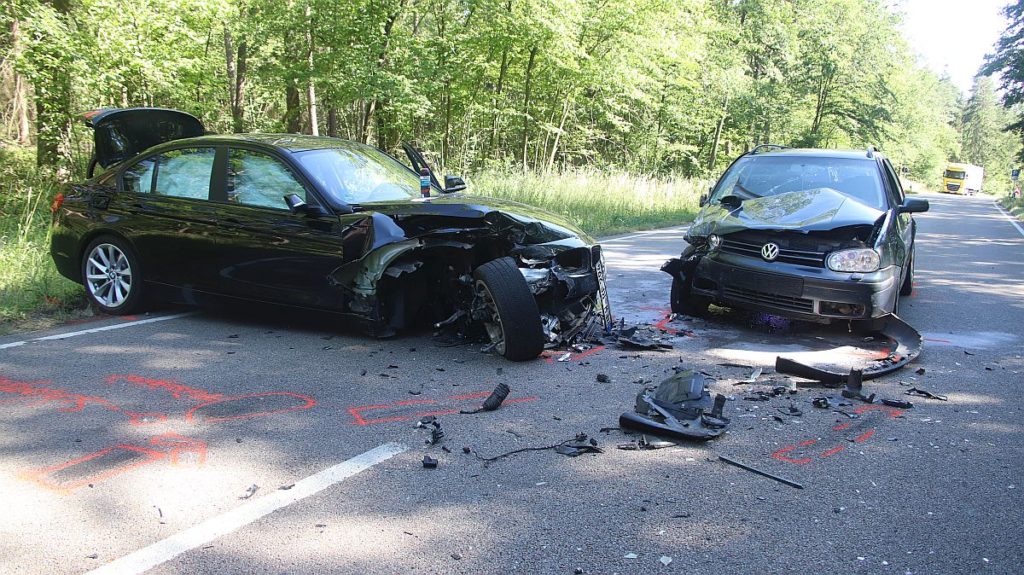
x,y
108,275
494,327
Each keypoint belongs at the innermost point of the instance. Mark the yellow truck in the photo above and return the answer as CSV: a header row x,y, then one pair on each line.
x,y
962,179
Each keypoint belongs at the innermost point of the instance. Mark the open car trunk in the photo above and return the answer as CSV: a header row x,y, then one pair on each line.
x,y
120,134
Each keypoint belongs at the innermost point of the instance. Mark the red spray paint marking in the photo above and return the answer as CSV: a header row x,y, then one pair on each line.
x,y
550,356
169,446
300,403
359,416
41,393
785,453
175,389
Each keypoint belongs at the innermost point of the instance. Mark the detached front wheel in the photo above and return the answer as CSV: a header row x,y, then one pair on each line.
x,y
511,316
112,276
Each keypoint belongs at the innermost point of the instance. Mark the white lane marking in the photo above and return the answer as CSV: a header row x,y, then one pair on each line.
x,y
167,549
1006,215
98,329
644,233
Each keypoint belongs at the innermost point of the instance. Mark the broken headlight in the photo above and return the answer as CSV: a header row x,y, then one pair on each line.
x,y
713,242
858,260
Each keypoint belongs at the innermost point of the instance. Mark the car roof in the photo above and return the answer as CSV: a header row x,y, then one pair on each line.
x,y
818,153
284,142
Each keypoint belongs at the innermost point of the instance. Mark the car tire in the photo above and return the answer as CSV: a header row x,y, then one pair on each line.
x,y
112,276
684,302
515,327
908,282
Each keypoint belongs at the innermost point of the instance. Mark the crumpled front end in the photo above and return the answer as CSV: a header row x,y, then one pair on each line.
x,y
418,269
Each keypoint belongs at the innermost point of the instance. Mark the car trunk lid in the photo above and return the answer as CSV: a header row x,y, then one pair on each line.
x,y
119,134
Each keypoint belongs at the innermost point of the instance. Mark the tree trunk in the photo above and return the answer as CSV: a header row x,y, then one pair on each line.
x,y
238,102
293,123
561,126
314,128
494,101
526,107
20,103
229,61
53,102
718,134
332,120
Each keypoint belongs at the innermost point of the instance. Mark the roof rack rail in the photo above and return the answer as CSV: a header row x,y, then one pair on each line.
x,y
871,151
767,148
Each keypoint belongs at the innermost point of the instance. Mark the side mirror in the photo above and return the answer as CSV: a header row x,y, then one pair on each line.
x,y
703,200
913,206
454,184
298,206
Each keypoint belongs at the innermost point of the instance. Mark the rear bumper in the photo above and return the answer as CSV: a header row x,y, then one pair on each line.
x,y
799,292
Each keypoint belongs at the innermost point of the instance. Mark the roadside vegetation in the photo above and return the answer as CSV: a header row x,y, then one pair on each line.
x,y
1015,206
614,113
31,290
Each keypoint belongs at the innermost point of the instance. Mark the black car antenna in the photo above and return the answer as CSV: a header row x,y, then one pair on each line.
x,y
767,148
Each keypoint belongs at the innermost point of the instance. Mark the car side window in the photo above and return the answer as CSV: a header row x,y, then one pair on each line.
x,y
257,179
138,179
185,173
896,185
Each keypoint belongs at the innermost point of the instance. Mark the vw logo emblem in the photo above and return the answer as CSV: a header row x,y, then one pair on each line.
x,y
770,251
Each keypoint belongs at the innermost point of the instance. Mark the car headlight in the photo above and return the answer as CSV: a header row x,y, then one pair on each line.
x,y
714,241
858,260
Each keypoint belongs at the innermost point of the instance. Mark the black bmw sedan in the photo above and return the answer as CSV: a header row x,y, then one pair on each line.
x,y
320,223
810,234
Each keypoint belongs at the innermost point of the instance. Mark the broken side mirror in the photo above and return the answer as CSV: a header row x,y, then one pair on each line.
x,y
454,184
913,206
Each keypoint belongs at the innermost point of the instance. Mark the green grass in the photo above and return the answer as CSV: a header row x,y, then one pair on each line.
x,y
600,204
32,293
1014,206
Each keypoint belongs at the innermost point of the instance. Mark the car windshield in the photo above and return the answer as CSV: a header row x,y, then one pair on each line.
x,y
755,177
359,174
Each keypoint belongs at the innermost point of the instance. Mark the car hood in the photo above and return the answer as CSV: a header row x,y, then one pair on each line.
x,y
456,212
819,209
120,134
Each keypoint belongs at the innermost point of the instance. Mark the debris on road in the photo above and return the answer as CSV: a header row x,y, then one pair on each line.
x,y
898,403
436,433
854,388
680,406
821,402
429,462
925,393
753,375
665,560
493,401
782,480
906,346
578,445
644,444
603,378
250,491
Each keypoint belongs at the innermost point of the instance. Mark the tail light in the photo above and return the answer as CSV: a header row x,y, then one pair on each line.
x,y
58,201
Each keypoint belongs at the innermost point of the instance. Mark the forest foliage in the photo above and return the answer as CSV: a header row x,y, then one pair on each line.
x,y
659,87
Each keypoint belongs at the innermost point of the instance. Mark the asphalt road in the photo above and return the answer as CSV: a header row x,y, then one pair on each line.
x,y
260,443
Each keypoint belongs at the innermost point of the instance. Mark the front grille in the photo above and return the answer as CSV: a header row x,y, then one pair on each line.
x,y
787,303
952,187
790,255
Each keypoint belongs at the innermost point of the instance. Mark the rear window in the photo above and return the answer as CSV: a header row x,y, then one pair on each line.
x,y
759,176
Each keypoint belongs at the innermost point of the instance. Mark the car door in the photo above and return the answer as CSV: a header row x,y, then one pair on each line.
x,y
267,252
903,222
168,215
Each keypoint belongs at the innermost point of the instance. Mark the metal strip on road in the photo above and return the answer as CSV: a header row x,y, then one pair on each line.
x,y
98,329
1008,216
167,549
